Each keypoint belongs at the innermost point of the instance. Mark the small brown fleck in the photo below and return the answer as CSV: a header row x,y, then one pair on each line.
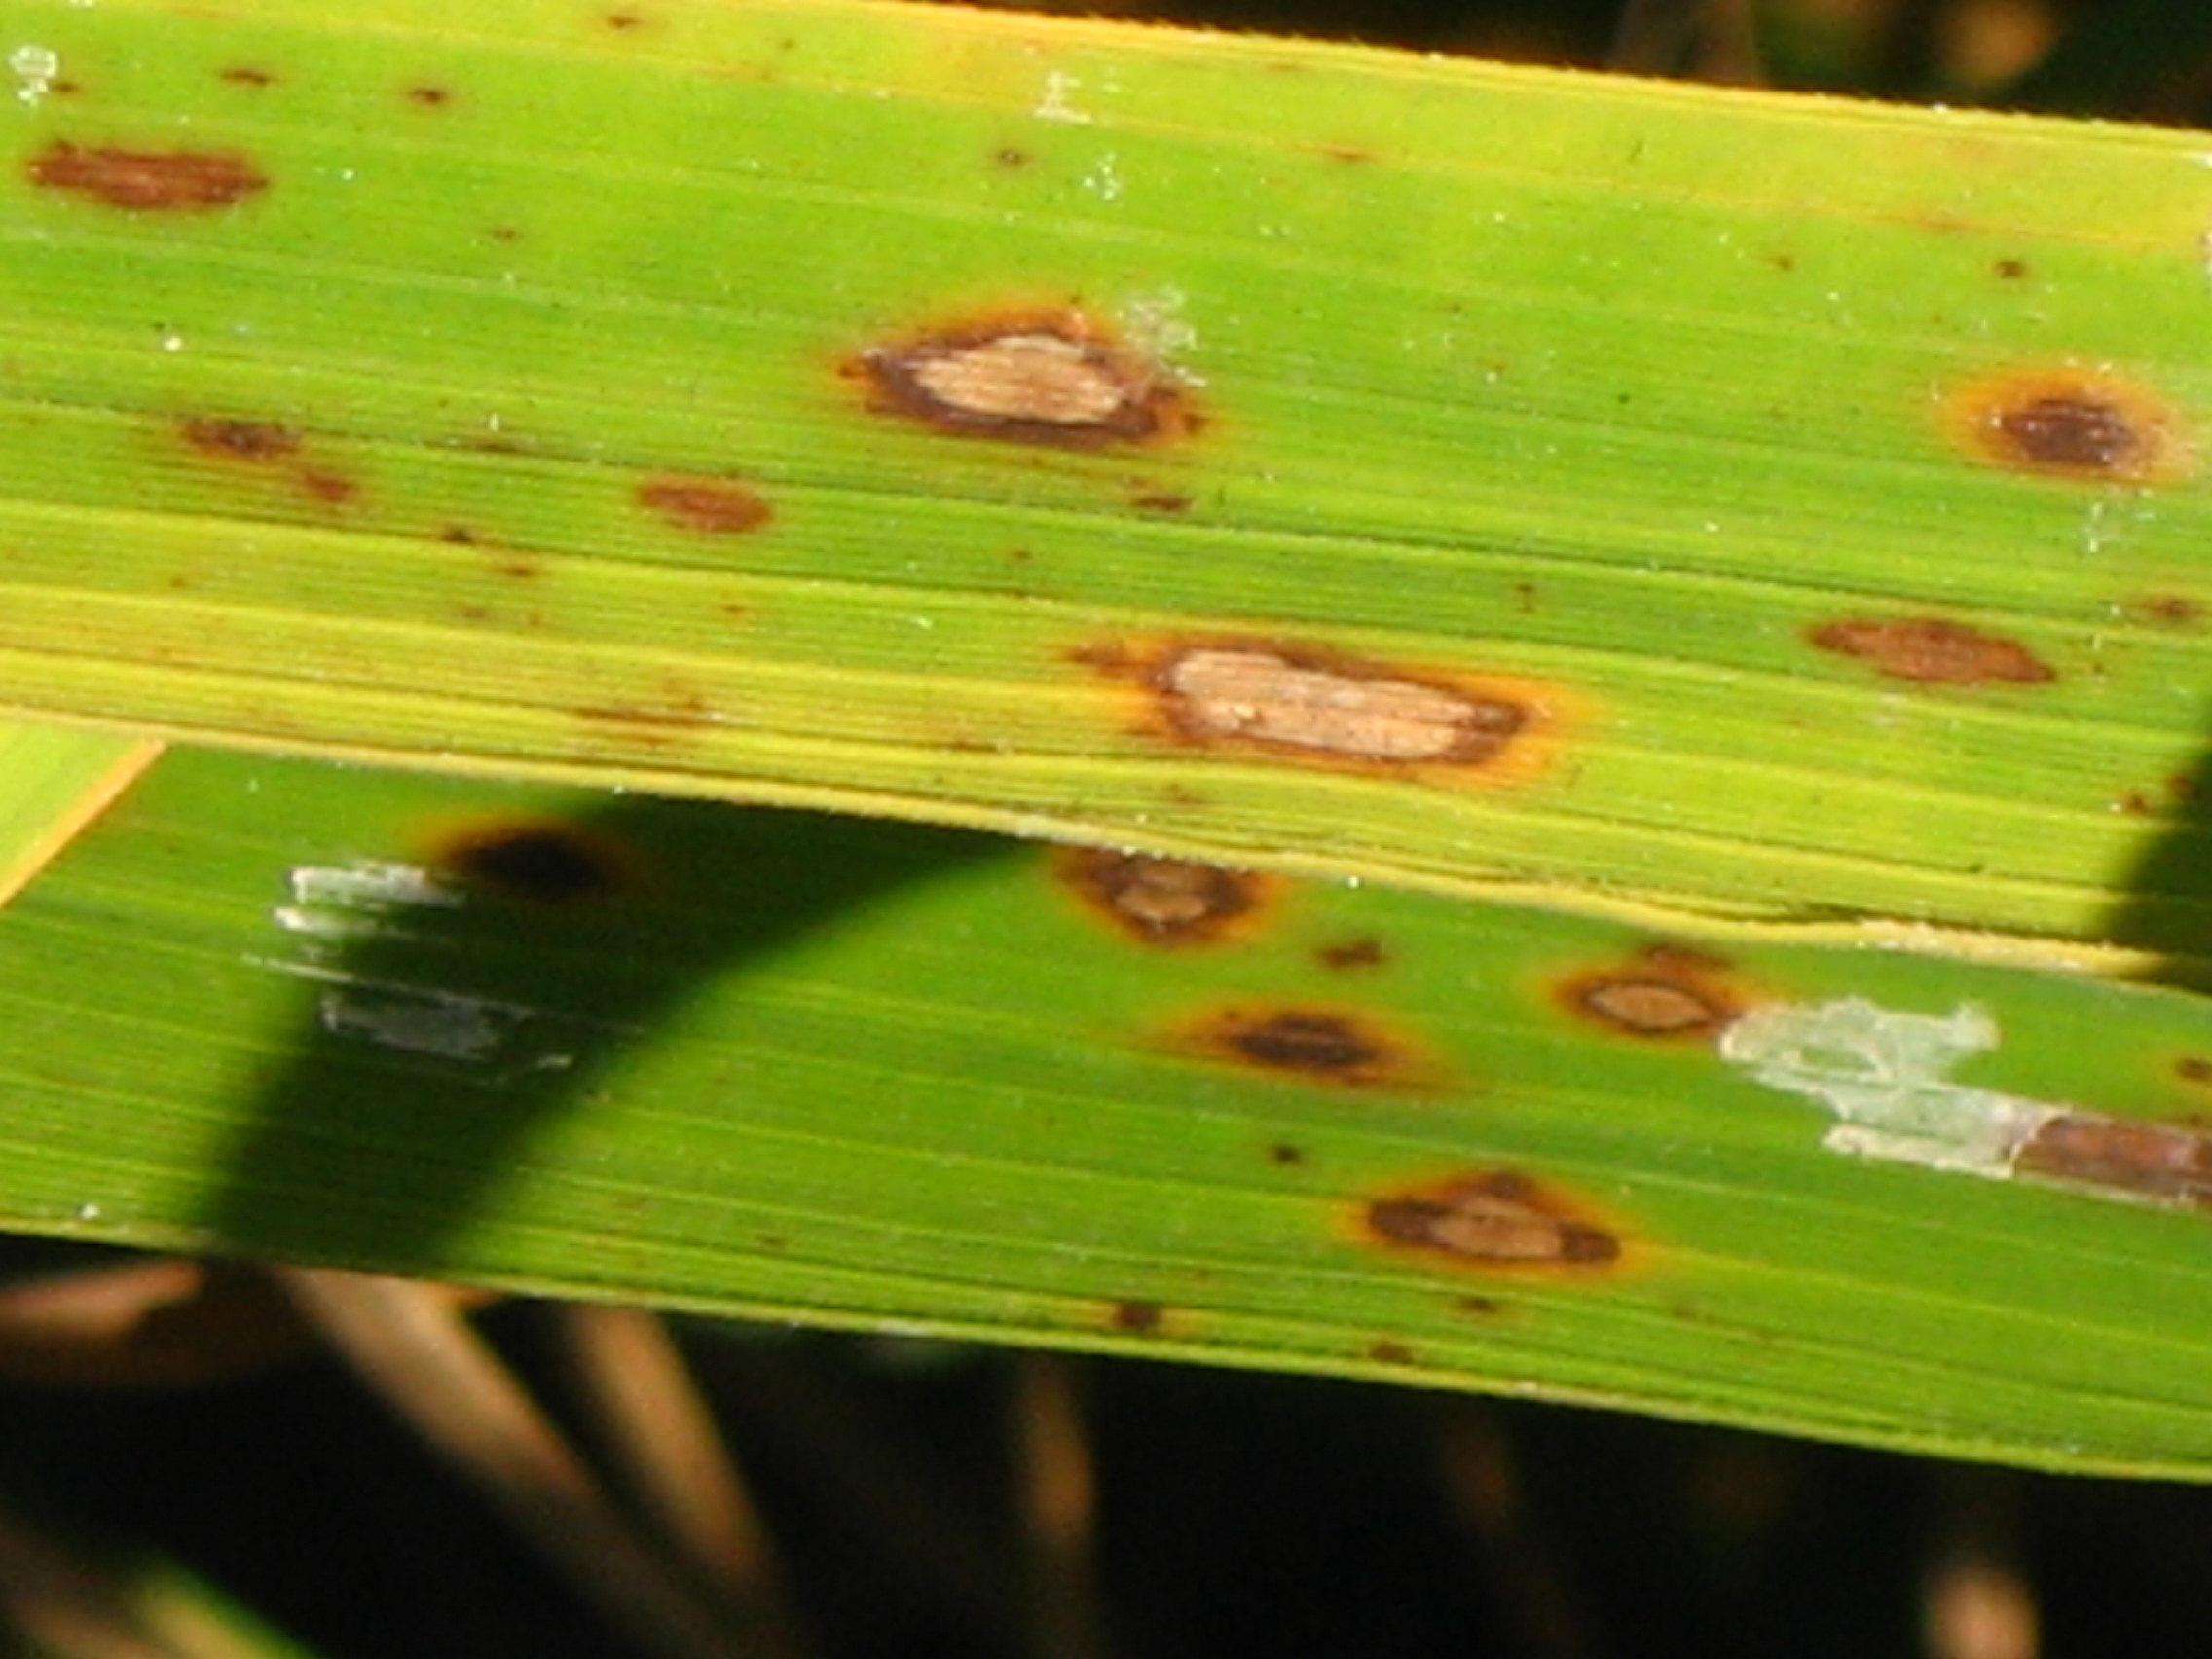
x,y
460,535
621,22
651,723
430,97
1351,953
1136,1317
1350,154
1303,703
1286,1154
1933,651
1053,378
2159,1162
2194,1068
1479,1307
245,75
1166,901
240,440
1012,157
539,861
1785,262
1161,501
2166,610
713,506
518,569
1492,1219
2074,423
1386,1350
2010,269
1330,1045
331,488
140,181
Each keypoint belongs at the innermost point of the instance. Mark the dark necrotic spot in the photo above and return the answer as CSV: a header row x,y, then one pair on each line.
x,y
714,506
2075,433
2194,1068
1386,1350
331,488
2071,424
1315,1044
2011,269
1933,651
245,75
1166,901
1326,1044
540,861
1012,158
1496,1217
1286,1154
146,181
242,440
1351,953
430,97
1053,378
1137,1317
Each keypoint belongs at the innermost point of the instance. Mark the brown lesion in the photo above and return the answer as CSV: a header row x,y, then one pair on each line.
x,y
1665,992
2158,1162
1493,1220
711,506
1052,377
254,441
1933,651
1309,704
149,181
1313,1043
2064,421
1171,903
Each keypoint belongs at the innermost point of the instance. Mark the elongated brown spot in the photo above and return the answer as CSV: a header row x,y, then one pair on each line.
x,y
713,506
1665,992
1347,955
1492,1219
1313,1044
149,181
2163,1162
1135,1316
240,440
1166,901
2069,423
1053,378
1933,651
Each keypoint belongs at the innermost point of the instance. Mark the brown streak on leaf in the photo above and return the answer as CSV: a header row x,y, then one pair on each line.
x,y
712,506
144,181
240,440
1933,651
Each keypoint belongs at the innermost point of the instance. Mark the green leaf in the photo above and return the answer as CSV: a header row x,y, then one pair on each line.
x,y
1472,478
896,1077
